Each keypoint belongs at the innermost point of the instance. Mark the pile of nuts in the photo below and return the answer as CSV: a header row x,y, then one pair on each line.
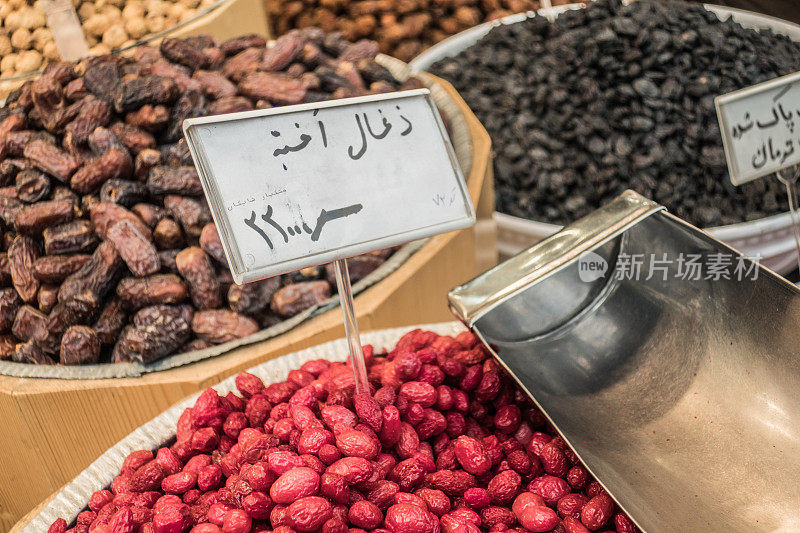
x,y
443,442
402,28
618,96
108,248
26,42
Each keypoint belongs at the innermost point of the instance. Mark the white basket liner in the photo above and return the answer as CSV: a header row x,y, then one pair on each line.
x,y
462,144
152,435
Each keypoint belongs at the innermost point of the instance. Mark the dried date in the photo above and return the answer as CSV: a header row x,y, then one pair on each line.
x,y
372,71
47,95
282,52
110,322
177,154
97,275
231,104
47,298
174,180
195,267
152,90
192,214
123,192
32,186
78,310
57,121
253,298
136,293
148,315
79,346
21,255
156,340
363,49
33,219
191,104
181,52
30,353
74,237
237,44
62,72
191,346
104,214
225,280
13,122
29,323
167,234
5,269
248,60
114,164
101,140
103,80
9,168
9,207
7,347
145,160
13,144
275,88
63,192
178,73
88,202
214,84
135,249
149,213
54,269
93,114
51,159
220,325
75,90
168,264
293,299
211,243
135,139
150,118
9,304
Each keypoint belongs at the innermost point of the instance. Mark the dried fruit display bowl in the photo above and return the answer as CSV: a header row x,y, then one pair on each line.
x,y
224,19
41,415
770,238
72,498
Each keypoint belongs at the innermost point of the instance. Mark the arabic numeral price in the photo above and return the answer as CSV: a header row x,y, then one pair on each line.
x,y
296,230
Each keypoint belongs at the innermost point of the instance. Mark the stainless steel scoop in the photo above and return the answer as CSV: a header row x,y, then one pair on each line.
x,y
681,395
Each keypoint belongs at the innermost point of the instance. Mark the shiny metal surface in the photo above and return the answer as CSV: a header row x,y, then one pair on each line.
x,y
681,396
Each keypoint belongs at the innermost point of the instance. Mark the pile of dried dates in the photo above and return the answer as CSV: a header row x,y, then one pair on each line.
x,y
109,251
402,28
618,96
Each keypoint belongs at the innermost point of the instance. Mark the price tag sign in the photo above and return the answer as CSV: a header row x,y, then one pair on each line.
x,y
298,186
760,128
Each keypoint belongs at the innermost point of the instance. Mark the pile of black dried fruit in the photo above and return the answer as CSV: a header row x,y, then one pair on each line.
x,y
614,97
108,251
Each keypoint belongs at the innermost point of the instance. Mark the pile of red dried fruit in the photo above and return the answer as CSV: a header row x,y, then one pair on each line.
x,y
108,250
446,443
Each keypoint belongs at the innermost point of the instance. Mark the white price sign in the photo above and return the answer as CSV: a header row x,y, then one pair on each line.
x,y
760,128
297,186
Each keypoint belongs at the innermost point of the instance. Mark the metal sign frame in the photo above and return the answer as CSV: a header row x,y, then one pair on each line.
x,y
736,174
243,274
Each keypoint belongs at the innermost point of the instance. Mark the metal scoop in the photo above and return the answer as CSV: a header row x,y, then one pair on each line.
x,y
681,395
